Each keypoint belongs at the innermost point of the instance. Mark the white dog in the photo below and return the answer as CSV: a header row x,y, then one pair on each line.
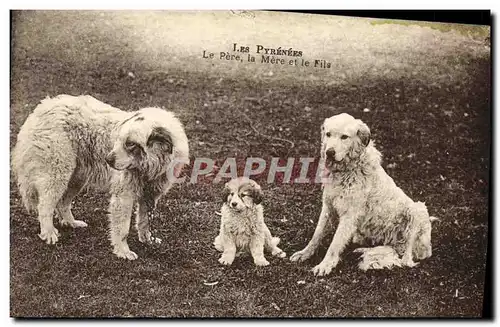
x,y
242,224
371,208
69,143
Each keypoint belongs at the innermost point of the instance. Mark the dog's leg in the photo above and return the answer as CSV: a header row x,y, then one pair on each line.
x,y
257,251
50,192
218,243
46,206
343,234
319,232
407,259
64,205
120,211
271,243
229,253
145,211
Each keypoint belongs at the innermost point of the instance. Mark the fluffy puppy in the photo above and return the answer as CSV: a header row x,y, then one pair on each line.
x,y
242,224
70,143
370,208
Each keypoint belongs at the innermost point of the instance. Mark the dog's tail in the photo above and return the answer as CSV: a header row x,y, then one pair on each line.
x,y
27,189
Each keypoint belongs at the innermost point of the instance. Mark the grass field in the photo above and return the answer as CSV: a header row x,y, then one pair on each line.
x,y
428,92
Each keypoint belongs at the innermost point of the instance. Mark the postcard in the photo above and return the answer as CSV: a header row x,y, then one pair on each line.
x,y
248,164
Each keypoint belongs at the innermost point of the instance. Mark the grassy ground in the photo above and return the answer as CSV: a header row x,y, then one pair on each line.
x,y
429,112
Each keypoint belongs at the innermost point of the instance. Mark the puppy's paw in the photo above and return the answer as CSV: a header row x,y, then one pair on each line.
x,y
50,236
278,253
125,254
261,262
74,223
301,256
226,260
323,269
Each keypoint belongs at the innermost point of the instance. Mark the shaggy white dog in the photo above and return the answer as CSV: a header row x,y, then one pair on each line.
x,y
242,224
69,143
371,209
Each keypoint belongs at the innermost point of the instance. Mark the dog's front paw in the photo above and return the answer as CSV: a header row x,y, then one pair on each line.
x,y
323,269
301,255
125,254
74,223
226,260
50,236
261,262
278,253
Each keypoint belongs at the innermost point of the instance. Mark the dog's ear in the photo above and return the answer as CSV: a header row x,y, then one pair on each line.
x,y
323,130
256,194
363,133
225,193
162,136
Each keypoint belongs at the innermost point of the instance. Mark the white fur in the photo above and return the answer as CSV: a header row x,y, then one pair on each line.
x,y
63,146
378,257
371,209
242,224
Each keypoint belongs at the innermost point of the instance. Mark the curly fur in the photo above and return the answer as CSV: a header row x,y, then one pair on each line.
x,y
371,209
70,143
242,224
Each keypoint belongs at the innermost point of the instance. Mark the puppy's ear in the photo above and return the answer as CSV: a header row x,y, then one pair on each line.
x,y
256,194
363,133
225,193
161,136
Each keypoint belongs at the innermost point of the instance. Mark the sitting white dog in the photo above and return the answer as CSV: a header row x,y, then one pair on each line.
x,y
371,209
242,224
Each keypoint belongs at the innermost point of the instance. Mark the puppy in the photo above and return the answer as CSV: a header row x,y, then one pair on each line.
x,y
70,143
371,209
242,224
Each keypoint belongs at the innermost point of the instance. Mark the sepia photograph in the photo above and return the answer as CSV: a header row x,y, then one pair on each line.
x,y
249,164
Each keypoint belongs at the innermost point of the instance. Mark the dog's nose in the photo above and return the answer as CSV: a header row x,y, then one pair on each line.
x,y
234,204
330,153
110,159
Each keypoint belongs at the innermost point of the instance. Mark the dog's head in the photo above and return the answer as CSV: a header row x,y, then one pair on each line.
x,y
242,193
343,139
152,141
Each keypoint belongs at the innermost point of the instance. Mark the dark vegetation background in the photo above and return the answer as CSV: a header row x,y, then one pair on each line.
x,y
423,88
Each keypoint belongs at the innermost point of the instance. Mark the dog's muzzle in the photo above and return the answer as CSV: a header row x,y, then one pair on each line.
x,y
330,154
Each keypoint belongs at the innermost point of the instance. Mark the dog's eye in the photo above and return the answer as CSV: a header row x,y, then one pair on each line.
x,y
130,145
244,194
343,137
328,134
